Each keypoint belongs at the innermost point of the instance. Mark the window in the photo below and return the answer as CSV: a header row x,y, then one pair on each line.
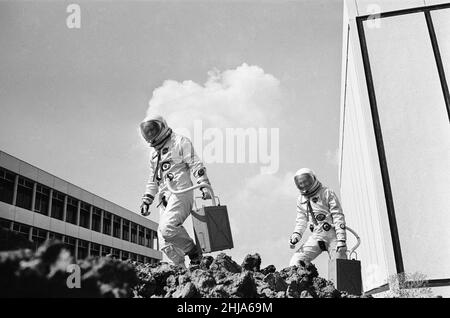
x,y
133,232
6,224
56,236
140,258
57,205
96,217
70,244
116,253
5,235
141,237
148,238
6,186
42,199
107,223
85,215
116,226
155,241
82,249
106,250
125,255
133,257
39,236
72,210
95,249
24,193
22,229
126,232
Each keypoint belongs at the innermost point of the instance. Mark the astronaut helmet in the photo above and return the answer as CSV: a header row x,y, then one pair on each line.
x,y
305,179
154,130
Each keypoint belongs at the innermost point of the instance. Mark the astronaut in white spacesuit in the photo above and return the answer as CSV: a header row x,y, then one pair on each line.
x,y
320,207
172,154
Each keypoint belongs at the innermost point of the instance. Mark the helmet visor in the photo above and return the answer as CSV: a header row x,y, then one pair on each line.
x,y
151,129
304,182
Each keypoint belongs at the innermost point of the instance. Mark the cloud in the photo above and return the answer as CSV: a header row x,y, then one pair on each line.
x,y
241,97
262,216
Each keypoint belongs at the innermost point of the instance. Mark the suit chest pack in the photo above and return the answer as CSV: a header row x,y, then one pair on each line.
x,y
163,160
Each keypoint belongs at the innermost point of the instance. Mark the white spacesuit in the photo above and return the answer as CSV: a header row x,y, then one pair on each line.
x,y
320,207
172,154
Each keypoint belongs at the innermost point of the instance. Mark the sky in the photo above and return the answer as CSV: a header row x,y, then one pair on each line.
x,y
72,98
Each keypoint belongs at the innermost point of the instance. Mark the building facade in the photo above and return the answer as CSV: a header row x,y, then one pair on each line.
x,y
395,138
40,206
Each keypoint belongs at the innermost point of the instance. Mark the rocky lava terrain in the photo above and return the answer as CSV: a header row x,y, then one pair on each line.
x,y
44,273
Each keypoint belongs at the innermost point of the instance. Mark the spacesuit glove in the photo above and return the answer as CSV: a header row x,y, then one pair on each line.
x,y
205,194
295,238
341,250
341,245
147,200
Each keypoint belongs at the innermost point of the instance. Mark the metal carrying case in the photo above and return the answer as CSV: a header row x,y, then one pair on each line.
x,y
346,275
211,224
212,228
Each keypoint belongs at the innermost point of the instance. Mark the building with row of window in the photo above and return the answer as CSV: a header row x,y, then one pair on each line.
x,y
41,206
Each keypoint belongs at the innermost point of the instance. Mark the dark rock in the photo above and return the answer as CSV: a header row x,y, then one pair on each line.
x,y
220,291
266,293
325,288
305,294
281,294
258,275
187,291
275,282
148,288
245,286
288,272
224,262
206,262
268,269
252,262
156,279
297,284
221,277
292,290
309,270
183,279
172,281
203,280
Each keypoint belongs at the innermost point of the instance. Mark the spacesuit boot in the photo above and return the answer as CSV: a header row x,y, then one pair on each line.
x,y
175,255
195,255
